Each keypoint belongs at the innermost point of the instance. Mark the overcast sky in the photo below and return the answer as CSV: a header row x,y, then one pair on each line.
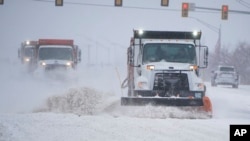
x,y
109,28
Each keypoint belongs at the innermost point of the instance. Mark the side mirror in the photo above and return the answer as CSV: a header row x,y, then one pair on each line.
x,y
202,56
79,55
19,53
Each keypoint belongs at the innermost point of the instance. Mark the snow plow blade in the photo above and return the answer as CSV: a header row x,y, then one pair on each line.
x,y
141,101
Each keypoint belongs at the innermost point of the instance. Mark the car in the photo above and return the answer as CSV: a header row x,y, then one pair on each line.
x,y
225,75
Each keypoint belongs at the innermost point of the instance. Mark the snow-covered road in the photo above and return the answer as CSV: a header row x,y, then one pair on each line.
x,y
21,95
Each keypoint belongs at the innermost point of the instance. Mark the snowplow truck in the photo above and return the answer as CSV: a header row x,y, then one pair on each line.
x,y
164,68
57,54
26,52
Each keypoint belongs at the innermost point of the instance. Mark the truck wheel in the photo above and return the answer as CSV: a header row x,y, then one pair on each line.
x,y
235,86
213,84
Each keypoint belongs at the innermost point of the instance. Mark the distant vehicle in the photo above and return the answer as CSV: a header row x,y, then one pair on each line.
x,y
27,51
57,54
225,75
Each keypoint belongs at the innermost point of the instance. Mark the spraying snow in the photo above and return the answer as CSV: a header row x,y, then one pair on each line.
x,y
81,101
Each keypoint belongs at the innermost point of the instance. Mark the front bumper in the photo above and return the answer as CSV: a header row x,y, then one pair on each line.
x,y
163,93
226,81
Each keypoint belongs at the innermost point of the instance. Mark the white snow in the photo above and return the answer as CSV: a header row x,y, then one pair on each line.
x,y
88,109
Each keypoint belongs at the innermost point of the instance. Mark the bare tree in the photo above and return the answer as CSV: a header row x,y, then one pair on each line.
x,y
241,60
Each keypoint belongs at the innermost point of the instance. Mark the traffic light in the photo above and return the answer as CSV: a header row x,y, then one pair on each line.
x,y
184,10
164,2
118,2
224,12
59,2
1,2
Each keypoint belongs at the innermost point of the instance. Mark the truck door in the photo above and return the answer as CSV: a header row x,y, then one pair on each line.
x,y
202,56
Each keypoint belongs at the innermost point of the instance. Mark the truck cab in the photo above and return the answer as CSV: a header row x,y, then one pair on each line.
x,y
225,75
57,54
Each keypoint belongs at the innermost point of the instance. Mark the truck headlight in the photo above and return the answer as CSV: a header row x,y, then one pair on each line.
x,y
68,64
150,67
43,63
27,59
193,67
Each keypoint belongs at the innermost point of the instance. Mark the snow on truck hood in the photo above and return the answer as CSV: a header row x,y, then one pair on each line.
x,y
169,65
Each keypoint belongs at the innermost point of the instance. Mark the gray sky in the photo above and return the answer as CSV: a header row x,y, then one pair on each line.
x,y
107,30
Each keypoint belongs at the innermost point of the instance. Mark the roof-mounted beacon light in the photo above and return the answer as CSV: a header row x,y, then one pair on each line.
x,y
140,31
195,33
27,42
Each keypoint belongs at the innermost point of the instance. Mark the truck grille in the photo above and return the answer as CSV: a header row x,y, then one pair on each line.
x,y
171,84
55,67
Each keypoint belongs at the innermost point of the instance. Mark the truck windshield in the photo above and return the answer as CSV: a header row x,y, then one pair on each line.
x,y
28,51
169,52
55,53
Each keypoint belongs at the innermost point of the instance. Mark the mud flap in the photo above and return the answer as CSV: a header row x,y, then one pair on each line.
x,y
142,101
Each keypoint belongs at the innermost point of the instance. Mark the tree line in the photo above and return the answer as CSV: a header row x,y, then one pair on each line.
x,y
239,57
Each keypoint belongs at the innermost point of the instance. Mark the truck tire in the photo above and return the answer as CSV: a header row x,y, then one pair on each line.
x,y
235,86
213,83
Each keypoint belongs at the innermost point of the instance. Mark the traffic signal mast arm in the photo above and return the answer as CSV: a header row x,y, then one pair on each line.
x,y
219,9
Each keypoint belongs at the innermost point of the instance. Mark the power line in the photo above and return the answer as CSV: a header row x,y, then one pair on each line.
x,y
125,7
217,9
244,3
208,10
